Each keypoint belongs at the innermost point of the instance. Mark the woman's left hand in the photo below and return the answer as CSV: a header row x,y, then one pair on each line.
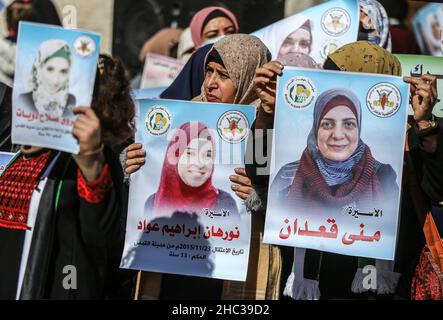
x,y
424,96
242,184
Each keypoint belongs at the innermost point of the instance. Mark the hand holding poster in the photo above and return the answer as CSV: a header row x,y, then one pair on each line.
x,y
336,187
317,31
418,65
5,157
55,72
183,216
160,71
427,24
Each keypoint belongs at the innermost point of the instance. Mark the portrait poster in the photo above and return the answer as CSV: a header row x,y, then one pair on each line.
x,y
337,162
5,158
317,31
55,72
418,65
427,25
160,71
183,216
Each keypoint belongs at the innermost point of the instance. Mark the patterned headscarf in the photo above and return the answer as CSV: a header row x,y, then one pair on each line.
x,y
377,13
363,56
242,54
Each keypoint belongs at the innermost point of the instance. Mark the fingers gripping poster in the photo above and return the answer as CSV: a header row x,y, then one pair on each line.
x,y
183,216
316,32
336,187
55,72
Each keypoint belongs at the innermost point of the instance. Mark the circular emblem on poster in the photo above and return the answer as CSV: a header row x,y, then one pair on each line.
x,y
383,100
336,22
84,46
233,126
158,120
329,47
300,92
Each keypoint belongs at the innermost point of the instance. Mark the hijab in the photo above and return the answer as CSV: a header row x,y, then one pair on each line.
x,y
364,56
200,20
278,32
172,192
241,54
377,13
335,172
188,83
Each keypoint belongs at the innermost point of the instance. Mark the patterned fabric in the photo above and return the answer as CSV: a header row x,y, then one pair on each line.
x,y
242,54
310,184
363,56
95,191
427,283
17,184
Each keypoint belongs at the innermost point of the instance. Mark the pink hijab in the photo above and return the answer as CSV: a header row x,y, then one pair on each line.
x,y
200,17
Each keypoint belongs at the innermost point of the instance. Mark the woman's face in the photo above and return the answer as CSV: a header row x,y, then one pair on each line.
x,y
298,41
218,85
196,164
337,136
54,75
217,27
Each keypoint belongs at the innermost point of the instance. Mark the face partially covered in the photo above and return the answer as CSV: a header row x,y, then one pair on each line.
x,y
338,134
367,24
298,41
196,164
218,85
54,75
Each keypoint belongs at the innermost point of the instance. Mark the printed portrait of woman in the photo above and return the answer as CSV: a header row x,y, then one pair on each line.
x,y
432,35
50,81
299,41
337,168
186,177
292,35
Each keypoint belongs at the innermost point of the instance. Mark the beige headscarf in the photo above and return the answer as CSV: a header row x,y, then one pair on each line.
x,y
242,54
364,56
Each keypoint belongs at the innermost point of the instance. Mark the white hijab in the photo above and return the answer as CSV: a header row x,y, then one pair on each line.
x,y
279,31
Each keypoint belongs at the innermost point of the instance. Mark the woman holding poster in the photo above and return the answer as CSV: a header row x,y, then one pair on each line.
x,y
50,81
337,167
186,179
331,276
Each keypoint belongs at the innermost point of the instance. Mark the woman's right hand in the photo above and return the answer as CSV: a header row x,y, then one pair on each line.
x,y
265,84
135,158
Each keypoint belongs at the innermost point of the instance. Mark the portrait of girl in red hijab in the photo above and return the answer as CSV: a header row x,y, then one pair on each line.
x,y
186,178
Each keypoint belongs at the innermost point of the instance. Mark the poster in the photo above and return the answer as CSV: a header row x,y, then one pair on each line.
x,y
183,217
416,66
5,157
336,187
427,25
55,72
160,71
317,31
